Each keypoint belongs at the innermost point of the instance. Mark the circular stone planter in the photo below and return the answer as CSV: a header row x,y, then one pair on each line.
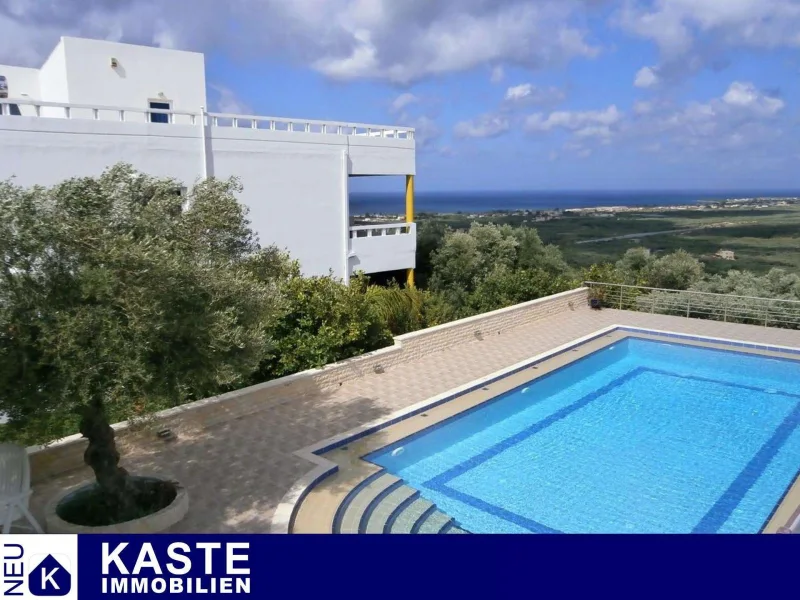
x,y
154,523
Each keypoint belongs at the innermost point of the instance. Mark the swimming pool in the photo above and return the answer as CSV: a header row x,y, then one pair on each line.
x,y
641,436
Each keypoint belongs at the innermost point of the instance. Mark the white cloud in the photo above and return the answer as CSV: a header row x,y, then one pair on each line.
x,y
741,117
226,101
482,127
587,123
691,34
498,74
646,77
426,131
519,92
527,93
343,39
402,101
641,107
746,96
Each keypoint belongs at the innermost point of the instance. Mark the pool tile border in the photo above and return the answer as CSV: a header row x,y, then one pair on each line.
x,y
283,517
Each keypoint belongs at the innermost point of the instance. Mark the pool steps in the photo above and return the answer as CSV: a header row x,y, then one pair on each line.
x,y
382,503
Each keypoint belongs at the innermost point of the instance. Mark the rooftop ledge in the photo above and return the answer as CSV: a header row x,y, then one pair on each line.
x,y
35,108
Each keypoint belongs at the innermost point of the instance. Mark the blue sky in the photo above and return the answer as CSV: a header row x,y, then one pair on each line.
x,y
505,94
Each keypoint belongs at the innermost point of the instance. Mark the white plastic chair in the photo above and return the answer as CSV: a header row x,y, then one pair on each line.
x,y
15,486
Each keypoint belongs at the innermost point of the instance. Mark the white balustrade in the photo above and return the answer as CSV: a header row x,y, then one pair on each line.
x,y
38,108
360,231
306,126
383,247
62,110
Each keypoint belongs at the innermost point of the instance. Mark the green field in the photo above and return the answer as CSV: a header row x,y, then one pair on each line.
x,y
761,238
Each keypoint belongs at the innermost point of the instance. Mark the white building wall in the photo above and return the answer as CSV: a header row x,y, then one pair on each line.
x,y
295,184
294,172
294,193
48,151
142,74
53,81
21,81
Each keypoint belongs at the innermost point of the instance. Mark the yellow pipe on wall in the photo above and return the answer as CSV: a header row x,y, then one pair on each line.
x,y
410,219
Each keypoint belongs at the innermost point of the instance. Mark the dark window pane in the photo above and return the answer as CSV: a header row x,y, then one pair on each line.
x,y
159,117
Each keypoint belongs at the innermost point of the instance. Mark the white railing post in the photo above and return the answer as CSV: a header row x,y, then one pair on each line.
x,y
204,140
620,297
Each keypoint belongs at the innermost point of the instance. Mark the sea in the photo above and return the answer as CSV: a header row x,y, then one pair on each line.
x,y
362,203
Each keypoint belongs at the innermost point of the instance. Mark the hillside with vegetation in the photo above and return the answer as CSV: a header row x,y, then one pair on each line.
x,y
761,237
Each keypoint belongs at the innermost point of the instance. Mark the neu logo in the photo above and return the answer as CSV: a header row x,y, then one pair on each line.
x,y
49,578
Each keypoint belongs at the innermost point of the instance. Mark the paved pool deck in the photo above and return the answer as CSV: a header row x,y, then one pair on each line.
x,y
237,472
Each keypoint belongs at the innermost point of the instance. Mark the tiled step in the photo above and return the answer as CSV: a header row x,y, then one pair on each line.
x,y
381,503
353,507
451,527
435,522
455,529
405,521
380,512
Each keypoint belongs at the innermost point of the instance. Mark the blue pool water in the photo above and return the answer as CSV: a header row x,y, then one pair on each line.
x,y
641,437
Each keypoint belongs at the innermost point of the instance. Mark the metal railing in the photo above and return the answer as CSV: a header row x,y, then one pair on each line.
x,y
768,312
38,108
362,231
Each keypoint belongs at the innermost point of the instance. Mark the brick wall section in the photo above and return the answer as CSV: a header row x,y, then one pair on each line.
x,y
67,454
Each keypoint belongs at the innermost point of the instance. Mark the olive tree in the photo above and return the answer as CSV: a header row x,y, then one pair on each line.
x,y
120,295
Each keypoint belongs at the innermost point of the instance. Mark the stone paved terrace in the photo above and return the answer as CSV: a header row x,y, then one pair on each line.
x,y
237,472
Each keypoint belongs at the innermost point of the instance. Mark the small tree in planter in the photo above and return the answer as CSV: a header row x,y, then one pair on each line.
x,y
121,295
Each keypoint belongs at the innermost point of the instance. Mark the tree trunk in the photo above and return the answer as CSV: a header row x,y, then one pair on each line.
x,y
102,456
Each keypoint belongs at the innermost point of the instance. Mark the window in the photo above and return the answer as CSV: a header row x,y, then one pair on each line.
x,y
160,117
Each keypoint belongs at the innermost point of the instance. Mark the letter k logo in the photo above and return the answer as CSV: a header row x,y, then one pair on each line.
x,y
49,578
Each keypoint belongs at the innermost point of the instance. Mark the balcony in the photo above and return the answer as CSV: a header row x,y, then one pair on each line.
x,y
380,248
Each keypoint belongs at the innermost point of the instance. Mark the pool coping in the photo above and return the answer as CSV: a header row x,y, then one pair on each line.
x,y
285,513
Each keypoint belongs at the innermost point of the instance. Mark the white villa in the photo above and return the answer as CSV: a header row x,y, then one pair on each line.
x,y
95,103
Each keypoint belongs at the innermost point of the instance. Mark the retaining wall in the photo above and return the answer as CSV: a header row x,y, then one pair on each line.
x,y
67,454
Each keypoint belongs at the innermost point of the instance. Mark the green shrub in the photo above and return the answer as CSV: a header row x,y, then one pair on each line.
x,y
323,321
402,309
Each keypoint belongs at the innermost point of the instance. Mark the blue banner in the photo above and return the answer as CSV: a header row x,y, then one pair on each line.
x,y
223,566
